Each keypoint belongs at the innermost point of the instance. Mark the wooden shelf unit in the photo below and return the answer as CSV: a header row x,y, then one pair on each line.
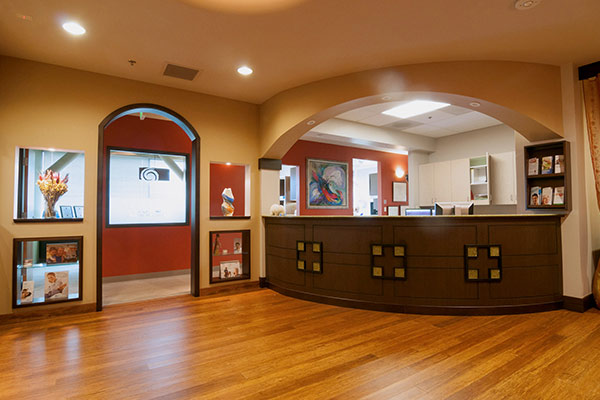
x,y
552,180
226,253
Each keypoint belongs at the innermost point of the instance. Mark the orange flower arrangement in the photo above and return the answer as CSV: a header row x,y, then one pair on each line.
x,y
52,187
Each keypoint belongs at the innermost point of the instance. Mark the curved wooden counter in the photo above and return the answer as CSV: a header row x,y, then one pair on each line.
x,y
517,258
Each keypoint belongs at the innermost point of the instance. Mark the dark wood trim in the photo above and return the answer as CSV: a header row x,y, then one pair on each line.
x,y
47,312
589,70
262,282
232,217
417,309
46,220
194,190
231,289
269,163
577,304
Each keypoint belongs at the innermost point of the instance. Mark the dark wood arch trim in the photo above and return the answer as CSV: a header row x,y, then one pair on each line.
x,y
194,190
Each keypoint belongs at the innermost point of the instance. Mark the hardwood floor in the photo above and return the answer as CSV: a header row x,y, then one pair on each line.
x,y
262,345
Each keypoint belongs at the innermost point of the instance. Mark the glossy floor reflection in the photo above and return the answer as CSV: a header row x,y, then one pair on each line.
x,y
145,289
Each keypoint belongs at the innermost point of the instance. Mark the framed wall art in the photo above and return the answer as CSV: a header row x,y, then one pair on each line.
x,y
326,184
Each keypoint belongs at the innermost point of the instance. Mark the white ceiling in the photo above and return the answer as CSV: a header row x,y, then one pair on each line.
x,y
443,122
291,42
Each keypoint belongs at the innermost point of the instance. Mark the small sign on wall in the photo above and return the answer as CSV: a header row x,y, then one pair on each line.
x,y
399,192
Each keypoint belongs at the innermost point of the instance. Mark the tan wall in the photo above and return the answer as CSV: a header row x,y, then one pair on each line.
x,y
54,107
526,97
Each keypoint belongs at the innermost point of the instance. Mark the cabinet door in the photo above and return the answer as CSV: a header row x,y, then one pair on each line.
x,y
503,179
461,188
426,184
442,181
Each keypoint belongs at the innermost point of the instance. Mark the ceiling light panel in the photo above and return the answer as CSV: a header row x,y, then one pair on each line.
x,y
73,28
414,108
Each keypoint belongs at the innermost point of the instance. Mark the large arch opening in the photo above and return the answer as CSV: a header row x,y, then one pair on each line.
x,y
191,219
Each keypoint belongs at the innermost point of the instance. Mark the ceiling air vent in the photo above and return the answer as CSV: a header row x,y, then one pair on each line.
x,y
180,72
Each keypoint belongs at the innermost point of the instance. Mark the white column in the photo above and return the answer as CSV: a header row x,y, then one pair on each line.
x,y
576,252
415,158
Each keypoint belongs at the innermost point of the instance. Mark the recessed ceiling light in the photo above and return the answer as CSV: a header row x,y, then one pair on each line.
x,y
227,163
244,70
474,104
386,98
311,122
526,4
73,28
413,108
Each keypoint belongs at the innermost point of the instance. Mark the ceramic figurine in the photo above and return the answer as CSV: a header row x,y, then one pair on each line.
x,y
277,210
227,205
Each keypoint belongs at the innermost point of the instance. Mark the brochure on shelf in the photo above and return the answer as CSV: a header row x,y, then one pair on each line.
x,y
547,164
547,196
535,196
533,165
559,195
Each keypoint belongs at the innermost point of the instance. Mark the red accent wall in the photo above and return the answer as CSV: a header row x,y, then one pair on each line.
x,y
232,176
145,249
387,164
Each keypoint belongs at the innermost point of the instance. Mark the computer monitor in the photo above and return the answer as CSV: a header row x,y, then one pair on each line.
x,y
463,208
417,211
444,208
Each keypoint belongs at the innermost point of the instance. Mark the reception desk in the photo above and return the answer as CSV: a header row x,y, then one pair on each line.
x,y
457,265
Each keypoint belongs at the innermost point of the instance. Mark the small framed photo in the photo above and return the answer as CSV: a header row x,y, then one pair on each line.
x,y
61,253
66,212
78,211
230,269
237,246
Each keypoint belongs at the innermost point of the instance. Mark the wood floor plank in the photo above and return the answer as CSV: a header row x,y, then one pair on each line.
x,y
262,345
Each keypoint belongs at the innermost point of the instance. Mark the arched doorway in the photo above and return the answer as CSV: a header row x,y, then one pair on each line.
x,y
194,207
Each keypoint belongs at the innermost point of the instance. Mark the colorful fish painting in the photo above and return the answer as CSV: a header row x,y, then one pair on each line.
x,y
326,184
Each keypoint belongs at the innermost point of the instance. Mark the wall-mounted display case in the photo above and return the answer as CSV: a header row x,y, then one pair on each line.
x,y
229,190
547,176
50,185
229,255
47,270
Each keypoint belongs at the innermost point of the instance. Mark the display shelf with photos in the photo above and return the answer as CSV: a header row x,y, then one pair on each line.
x,y
547,176
229,256
47,270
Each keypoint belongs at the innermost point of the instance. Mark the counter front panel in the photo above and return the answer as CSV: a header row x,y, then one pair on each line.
x,y
434,265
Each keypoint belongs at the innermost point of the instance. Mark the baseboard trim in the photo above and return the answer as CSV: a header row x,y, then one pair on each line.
x,y
578,304
230,289
149,275
262,282
418,309
46,312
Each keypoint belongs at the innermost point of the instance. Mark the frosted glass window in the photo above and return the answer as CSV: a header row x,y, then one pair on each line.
x,y
30,202
147,188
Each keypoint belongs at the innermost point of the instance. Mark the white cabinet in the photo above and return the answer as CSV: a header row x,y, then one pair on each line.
x,y
503,180
461,190
443,182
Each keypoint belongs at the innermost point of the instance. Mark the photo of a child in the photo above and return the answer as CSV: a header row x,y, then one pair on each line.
x,y
56,285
